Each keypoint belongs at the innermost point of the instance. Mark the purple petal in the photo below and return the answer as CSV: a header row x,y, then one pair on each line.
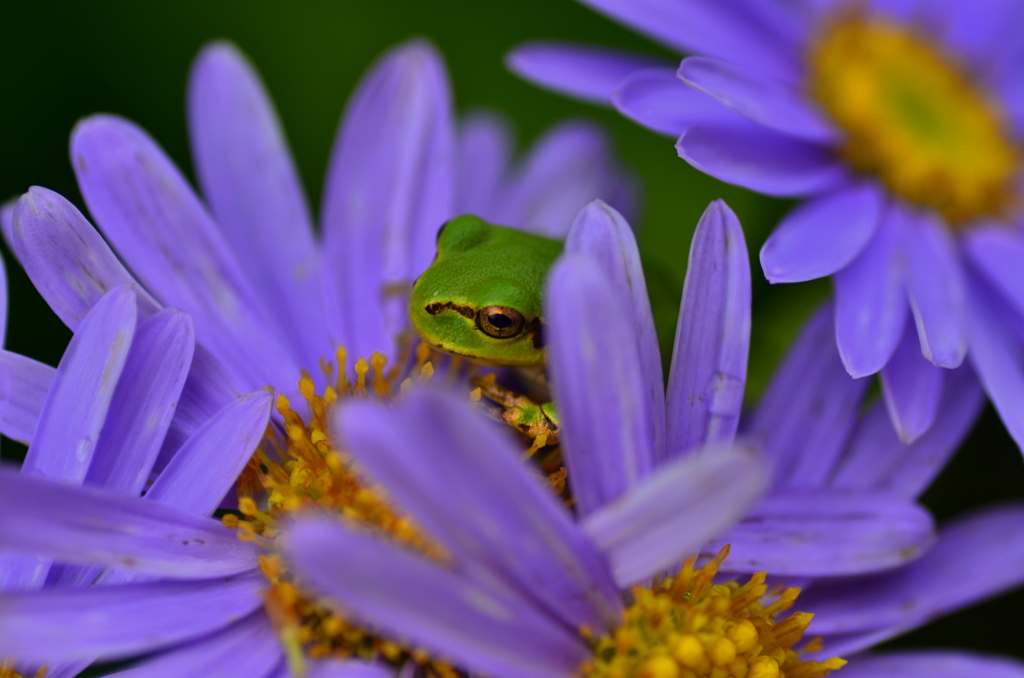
x,y
762,160
90,527
997,356
66,259
936,289
207,465
738,31
408,596
604,234
822,235
389,188
996,252
486,143
877,460
668,517
7,222
976,557
827,533
580,71
607,430
933,664
764,100
464,482
709,360
247,648
348,668
658,99
143,403
155,221
571,165
871,306
982,32
251,184
76,405
912,388
119,621
809,408
24,384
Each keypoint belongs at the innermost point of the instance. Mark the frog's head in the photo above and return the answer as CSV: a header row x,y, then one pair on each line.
x,y
481,297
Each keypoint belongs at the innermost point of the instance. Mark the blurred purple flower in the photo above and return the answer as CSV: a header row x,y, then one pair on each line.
x,y
841,517
901,124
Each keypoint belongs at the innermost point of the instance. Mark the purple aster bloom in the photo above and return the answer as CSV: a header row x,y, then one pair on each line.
x,y
267,297
840,517
899,122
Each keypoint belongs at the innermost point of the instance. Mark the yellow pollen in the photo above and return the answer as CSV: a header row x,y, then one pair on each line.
x,y
299,469
689,627
8,671
913,118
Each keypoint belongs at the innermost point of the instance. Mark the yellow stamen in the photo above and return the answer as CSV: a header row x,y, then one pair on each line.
x,y
688,627
915,119
8,671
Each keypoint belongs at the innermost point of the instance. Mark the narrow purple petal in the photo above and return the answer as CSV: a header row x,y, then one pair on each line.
x,y
90,527
143,403
762,160
66,259
118,621
823,235
207,465
607,430
389,188
809,408
912,388
933,664
7,222
761,99
656,98
936,289
827,533
581,71
668,517
996,252
604,234
738,31
482,629
24,384
348,668
465,483
153,218
76,405
871,306
976,557
247,648
486,143
997,356
571,165
982,32
709,360
250,182
877,460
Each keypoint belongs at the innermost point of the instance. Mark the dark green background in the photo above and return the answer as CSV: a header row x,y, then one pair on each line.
x,y
61,61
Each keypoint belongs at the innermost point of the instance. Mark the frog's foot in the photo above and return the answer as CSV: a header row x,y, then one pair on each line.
x,y
539,422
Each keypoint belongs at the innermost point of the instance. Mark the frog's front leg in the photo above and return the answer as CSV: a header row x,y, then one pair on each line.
x,y
531,419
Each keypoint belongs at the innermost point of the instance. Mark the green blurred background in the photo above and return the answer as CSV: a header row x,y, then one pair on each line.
x,y
61,61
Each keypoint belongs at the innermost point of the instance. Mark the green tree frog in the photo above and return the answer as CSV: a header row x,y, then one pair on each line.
x,y
481,299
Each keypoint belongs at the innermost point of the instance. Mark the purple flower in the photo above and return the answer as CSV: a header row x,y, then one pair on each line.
x,y
899,122
840,518
267,297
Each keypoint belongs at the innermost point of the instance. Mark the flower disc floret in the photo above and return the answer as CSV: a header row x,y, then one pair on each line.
x,y
686,626
914,119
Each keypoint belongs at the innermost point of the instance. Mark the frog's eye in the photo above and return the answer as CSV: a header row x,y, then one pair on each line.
x,y
500,322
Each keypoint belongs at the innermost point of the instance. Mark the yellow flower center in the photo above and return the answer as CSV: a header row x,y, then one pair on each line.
x,y
688,627
299,469
9,671
913,118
